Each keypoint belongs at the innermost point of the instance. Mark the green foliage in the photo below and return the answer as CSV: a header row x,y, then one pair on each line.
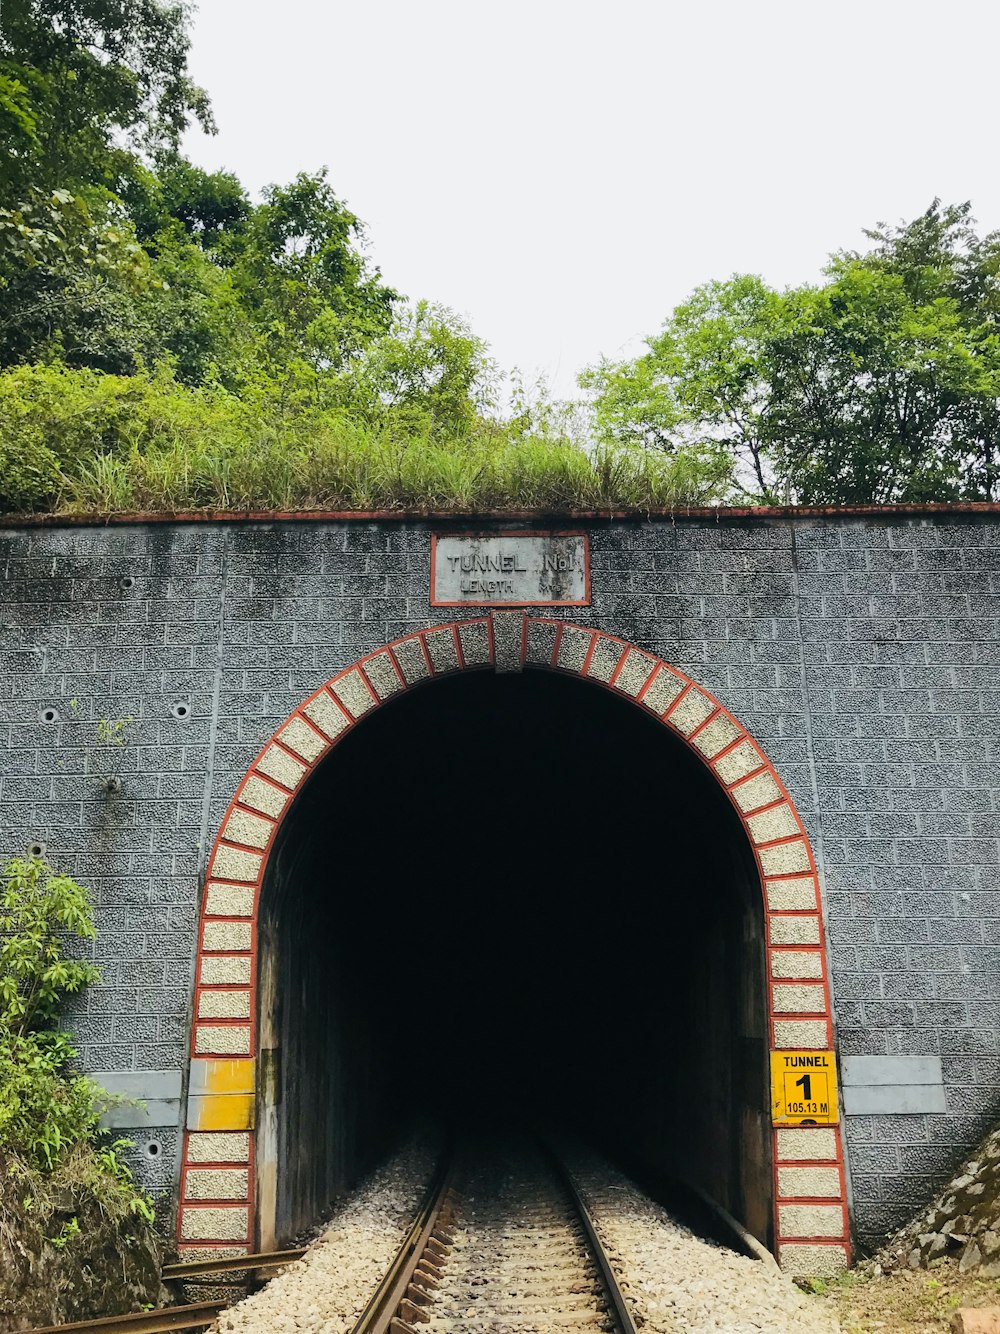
x,y
881,385
49,1114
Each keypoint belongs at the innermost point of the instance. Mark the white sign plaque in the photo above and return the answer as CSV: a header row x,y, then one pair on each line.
x,y
510,569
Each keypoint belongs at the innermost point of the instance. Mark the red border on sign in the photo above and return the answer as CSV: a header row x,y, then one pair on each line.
x,y
512,603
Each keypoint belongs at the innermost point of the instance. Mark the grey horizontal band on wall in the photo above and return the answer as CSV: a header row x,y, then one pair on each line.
x,y
892,1085
159,1090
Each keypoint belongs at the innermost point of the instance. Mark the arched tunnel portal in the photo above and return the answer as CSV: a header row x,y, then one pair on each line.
x,y
508,897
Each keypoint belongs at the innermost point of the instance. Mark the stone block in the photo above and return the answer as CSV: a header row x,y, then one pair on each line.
x,y
796,963
283,768
224,1004
218,1147
799,1260
573,648
635,673
382,675
792,895
353,692
211,1223
297,735
798,998
691,710
326,714
235,864
222,1039
409,654
508,629
216,1183
805,1143
228,900
791,1033
738,763
223,969
604,659
474,640
976,1320
808,1182
811,1220
541,642
442,650
226,936
794,930
721,732
784,858
251,830
776,822
663,690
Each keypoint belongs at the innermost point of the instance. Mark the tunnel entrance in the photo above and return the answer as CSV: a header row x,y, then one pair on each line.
x,y
517,900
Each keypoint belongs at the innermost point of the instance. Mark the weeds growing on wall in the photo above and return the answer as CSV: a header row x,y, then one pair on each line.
x,y
81,441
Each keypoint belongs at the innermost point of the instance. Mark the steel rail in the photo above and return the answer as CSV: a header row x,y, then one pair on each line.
x,y
195,1316
616,1297
230,1263
382,1307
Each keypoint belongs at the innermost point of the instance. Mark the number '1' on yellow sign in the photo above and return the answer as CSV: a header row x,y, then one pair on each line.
x,y
803,1088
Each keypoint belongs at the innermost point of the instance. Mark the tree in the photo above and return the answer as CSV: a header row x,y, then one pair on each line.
x,y
80,77
880,385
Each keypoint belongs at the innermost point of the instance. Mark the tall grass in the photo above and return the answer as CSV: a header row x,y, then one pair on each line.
x,y
157,446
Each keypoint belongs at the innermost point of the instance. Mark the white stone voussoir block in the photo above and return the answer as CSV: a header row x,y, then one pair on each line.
x,y
573,648
475,641
800,1260
245,827
806,1143
738,763
798,893
441,650
717,735
235,864
811,1220
691,711
635,672
222,1039
326,714
792,1033
205,1223
776,822
604,659
799,998
409,653
663,690
228,900
226,936
297,735
794,930
784,858
382,675
353,692
218,1146
796,963
797,1183
263,796
216,1183
541,642
223,970
224,1004
282,767
759,791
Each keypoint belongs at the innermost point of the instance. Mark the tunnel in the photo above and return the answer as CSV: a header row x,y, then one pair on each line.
x,y
512,900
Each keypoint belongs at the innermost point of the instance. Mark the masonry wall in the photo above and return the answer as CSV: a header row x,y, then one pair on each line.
x,y
862,653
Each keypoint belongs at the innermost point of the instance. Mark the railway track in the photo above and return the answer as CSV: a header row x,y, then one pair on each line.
x,y
502,1244
507,1246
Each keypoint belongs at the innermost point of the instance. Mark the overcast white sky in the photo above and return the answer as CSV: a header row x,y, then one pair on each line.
x,y
564,172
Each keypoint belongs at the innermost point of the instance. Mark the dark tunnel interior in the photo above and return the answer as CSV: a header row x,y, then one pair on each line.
x,y
515,900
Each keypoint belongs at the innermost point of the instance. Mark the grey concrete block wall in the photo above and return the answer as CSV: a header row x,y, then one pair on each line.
x,y
863,654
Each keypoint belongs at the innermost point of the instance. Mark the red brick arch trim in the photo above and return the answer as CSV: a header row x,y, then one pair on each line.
x,y
217,1187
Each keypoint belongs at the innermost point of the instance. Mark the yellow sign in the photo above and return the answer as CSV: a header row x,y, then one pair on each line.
x,y
803,1088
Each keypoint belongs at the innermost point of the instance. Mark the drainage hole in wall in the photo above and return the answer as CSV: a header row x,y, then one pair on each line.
x,y
128,581
153,1148
49,715
36,849
180,709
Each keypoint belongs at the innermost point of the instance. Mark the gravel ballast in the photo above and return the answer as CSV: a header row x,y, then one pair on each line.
x,y
331,1285
680,1283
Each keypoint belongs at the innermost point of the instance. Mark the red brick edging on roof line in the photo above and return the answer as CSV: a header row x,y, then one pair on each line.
x,y
720,513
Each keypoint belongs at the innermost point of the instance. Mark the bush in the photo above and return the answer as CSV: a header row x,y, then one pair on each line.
x,y
49,1114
